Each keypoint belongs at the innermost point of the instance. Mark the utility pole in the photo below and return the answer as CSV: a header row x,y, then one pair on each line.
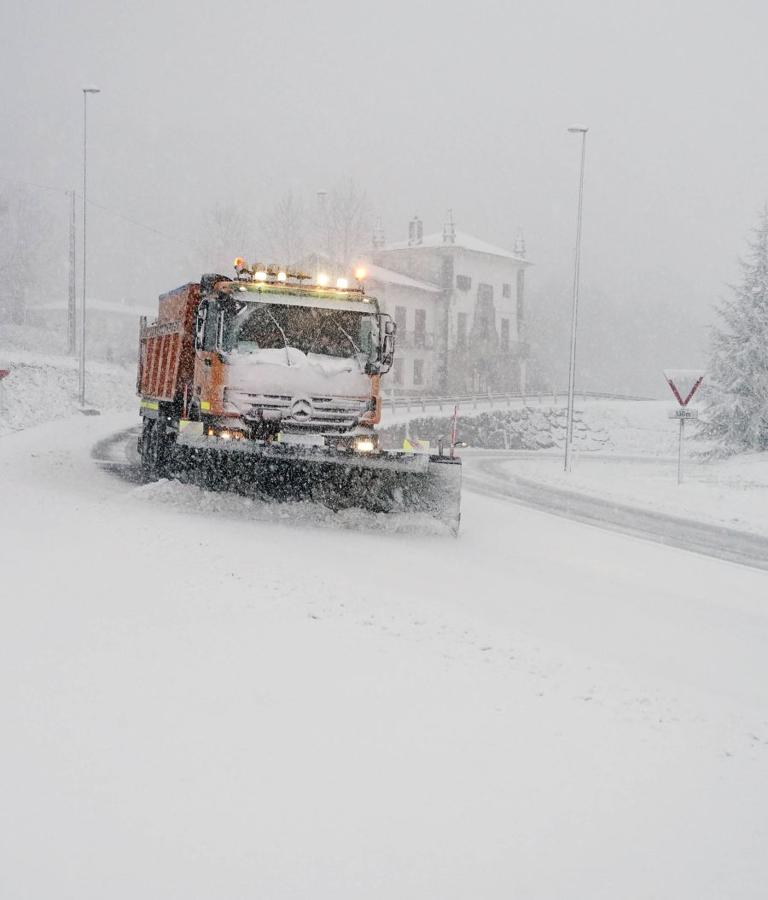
x,y
86,91
582,130
71,299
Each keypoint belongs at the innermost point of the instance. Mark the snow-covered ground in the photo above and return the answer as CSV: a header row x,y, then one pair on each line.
x,y
732,493
636,427
637,466
205,697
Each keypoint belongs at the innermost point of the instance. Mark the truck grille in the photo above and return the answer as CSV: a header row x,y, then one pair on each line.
x,y
310,413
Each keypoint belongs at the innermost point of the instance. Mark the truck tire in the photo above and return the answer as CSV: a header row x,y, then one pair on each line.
x,y
154,449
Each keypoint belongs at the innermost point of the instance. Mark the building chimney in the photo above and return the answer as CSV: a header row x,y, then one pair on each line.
x,y
520,244
449,230
415,232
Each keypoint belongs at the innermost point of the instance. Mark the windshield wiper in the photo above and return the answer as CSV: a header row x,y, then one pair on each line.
x,y
285,339
358,351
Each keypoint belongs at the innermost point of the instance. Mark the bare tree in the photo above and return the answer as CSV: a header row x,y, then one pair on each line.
x,y
227,232
349,221
335,229
284,231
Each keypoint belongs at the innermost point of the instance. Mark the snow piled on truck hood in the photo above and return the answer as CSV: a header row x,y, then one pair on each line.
x,y
291,371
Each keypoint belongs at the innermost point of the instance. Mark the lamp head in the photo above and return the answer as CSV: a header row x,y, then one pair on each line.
x,y
91,90
578,129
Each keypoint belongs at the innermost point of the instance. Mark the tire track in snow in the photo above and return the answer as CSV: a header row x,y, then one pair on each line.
x,y
118,454
482,475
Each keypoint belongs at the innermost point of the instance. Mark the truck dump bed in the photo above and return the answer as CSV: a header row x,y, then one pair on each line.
x,y
166,347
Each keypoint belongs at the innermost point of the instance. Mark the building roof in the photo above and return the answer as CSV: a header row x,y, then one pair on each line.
x,y
388,276
463,241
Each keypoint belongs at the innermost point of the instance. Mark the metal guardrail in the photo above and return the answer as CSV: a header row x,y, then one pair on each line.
x,y
411,401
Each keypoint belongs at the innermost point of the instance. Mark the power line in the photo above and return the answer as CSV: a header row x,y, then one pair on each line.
x,y
42,187
138,224
186,243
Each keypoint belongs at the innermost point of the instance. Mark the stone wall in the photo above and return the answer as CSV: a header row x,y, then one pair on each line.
x,y
511,429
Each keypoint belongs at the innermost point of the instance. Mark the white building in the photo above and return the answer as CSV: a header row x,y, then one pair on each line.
x,y
416,306
459,304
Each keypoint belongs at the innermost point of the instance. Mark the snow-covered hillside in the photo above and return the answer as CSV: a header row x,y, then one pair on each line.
x,y
43,388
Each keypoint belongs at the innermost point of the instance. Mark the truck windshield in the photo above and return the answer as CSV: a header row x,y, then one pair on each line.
x,y
329,332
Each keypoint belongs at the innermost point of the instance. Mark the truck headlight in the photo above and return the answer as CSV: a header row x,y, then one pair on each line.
x,y
365,445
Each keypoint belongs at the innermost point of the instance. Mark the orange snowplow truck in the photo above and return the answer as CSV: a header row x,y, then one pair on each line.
x,y
268,381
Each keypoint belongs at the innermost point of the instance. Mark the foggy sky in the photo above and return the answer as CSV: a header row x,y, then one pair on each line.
x,y
427,106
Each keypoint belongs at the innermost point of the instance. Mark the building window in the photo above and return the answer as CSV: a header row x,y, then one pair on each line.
x,y
506,291
418,372
420,327
484,327
401,319
463,282
461,330
505,335
397,371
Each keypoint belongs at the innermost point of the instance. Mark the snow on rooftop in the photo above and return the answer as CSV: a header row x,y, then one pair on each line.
x,y
388,276
463,241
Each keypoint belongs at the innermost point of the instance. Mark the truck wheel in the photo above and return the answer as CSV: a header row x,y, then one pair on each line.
x,y
154,449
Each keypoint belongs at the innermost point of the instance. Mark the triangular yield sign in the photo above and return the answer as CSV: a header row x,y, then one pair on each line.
x,y
684,383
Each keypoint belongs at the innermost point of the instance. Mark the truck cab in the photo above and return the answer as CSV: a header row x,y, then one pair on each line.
x,y
271,357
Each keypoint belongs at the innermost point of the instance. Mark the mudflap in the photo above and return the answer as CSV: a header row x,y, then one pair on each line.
x,y
377,484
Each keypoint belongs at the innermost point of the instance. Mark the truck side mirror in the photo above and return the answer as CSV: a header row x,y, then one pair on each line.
x,y
387,352
386,343
202,315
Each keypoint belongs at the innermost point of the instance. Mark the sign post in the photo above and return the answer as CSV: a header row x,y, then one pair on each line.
x,y
684,384
5,371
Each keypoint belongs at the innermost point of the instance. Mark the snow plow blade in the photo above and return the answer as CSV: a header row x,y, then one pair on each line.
x,y
389,482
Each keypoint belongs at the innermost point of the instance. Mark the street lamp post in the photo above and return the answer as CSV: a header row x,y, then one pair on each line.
x,y
582,130
86,91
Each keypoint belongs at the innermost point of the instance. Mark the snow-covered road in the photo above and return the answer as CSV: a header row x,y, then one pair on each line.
x,y
208,697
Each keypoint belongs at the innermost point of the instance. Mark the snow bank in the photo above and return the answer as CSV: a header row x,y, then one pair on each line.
x,y
44,388
194,500
732,493
637,427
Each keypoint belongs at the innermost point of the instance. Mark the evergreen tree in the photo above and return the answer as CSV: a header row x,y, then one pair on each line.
x,y
737,392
